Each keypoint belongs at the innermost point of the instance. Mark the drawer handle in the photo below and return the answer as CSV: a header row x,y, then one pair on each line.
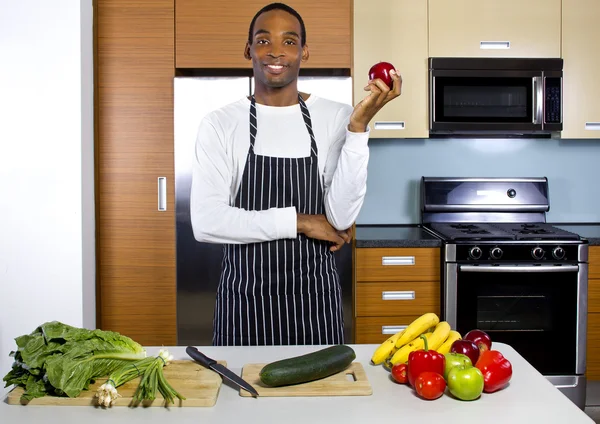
x,y
389,125
398,295
162,194
592,126
392,329
398,260
494,45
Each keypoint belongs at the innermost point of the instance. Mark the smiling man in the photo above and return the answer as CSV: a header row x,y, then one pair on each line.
x,y
279,178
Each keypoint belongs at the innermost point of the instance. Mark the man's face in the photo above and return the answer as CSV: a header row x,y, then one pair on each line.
x,y
276,50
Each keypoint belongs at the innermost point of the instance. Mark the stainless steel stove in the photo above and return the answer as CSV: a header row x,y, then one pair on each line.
x,y
506,271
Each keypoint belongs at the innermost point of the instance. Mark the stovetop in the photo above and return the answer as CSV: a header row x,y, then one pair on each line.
x,y
501,232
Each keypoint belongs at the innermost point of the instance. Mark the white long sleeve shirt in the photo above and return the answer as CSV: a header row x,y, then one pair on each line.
x,y
221,149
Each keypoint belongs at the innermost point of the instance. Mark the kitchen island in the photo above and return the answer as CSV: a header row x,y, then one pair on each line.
x,y
529,397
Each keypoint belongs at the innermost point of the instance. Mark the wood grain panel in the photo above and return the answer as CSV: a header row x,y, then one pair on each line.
x,y
135,19
593,347
135,62
368,329
133,119
369,265
594,262
136,242
593,295
213,34
369,300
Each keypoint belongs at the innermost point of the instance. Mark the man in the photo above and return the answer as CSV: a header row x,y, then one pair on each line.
x,y
279,178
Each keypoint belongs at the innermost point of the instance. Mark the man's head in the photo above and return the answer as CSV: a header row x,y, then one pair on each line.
x,y
276,45
285,8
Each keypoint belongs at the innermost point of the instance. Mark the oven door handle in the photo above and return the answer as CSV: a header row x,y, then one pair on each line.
x,y
519,268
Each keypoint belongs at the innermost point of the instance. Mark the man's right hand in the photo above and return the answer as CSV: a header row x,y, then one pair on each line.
x,y
317,227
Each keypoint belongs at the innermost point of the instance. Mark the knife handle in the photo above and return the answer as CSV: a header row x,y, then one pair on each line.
x,y
200,357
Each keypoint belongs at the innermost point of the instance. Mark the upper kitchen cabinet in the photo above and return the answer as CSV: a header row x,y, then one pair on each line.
x,y
491,28
214,34
396,33
581,91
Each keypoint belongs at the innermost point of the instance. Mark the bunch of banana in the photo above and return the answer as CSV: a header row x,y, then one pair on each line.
x,y
396,348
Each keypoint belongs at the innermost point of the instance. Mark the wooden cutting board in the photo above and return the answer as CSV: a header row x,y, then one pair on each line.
x,y
351,382
199,385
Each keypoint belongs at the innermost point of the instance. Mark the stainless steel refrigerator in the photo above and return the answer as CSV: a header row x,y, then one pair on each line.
x,y
199,264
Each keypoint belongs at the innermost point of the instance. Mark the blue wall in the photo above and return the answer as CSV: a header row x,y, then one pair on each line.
x,y
396,167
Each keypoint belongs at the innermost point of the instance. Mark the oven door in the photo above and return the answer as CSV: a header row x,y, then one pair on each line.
x,y
539,310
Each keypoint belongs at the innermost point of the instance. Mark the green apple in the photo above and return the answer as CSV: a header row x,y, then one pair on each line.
x,y
454,359
465,383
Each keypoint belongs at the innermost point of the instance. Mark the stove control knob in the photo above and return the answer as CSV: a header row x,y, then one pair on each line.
x,y
475,252
496,253
558,253
537,253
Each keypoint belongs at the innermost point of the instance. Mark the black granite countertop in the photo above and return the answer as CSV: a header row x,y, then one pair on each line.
x,y
394,236
589,231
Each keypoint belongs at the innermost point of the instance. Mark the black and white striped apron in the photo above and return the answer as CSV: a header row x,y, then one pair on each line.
x,y
281,292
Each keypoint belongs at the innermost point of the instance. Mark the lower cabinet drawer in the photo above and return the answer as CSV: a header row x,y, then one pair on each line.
x,y
397,298
593,347
369,330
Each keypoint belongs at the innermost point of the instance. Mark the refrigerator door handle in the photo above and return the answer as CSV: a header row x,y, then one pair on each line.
x,y
162,194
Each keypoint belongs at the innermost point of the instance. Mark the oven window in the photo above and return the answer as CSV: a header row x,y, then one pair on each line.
x,y
483,100
529,311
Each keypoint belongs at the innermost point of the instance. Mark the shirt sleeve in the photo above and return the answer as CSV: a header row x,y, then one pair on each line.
x,y
345,174
213,218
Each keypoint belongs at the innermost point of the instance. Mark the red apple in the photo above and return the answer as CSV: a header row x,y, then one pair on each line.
x,y
480,338
382,70
466,347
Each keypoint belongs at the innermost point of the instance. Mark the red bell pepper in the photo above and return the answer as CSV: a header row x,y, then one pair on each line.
x,y
424,360
496,370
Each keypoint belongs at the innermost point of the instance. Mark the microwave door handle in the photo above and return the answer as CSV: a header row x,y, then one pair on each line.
x,y
538,101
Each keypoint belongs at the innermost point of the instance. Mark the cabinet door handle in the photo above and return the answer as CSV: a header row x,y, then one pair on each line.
x,y
162,194
494,45
389,125
397,260
592,126
398,295
392,329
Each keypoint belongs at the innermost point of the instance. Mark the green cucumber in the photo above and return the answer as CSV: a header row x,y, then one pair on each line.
x,y
309,367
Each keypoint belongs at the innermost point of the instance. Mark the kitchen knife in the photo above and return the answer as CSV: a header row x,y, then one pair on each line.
x,y
198,356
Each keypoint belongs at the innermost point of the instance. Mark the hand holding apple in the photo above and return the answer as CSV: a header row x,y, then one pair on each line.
x,y
382,71
385,84
481,339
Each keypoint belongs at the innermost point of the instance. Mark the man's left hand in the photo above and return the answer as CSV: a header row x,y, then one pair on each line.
x,y
346,235
380,94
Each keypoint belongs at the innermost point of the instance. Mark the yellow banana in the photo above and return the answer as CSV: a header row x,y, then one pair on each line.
x,y
401,356
439,336
386,349
418,327
445,347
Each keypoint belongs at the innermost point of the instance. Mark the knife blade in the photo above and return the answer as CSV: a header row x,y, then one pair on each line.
x,y
198,356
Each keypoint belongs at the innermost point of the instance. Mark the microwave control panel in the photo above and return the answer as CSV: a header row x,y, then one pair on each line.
x,y
552,109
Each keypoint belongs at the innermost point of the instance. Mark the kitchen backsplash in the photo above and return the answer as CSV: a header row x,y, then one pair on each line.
x,y
396,167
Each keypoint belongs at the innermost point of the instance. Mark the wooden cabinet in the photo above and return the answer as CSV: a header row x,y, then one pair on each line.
x,y
213,34
392,288
593,331
479,28
581,96
397,33
135,252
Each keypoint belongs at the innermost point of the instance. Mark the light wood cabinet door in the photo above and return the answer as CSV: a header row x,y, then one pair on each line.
x,y
478,28
394,31
213,34
581,90
593,347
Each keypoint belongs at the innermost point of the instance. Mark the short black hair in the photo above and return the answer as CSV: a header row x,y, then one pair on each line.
x,y
285,8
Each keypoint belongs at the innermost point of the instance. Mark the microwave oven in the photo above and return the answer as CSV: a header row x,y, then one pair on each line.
x,y
495,96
